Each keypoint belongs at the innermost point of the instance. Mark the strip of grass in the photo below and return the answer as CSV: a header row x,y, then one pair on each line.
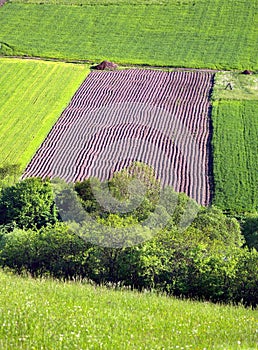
x,y
235,144
235,86
32,96
93,2
45,314
215,34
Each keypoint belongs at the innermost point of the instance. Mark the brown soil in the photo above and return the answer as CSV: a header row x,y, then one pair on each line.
x,y
2,2
247,72
106,65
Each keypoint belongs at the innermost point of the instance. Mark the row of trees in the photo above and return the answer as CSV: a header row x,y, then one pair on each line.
x,y
179,264
129,232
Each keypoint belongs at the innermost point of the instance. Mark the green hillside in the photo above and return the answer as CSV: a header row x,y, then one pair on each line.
x,y
235,145
46,314
32,96
186,33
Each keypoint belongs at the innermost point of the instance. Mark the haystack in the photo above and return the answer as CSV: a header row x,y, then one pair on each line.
x,y
247,72
106,65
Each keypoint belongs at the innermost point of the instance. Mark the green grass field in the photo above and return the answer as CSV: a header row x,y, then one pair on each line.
x,y
32,96
186,33
235,144
244,87
46,314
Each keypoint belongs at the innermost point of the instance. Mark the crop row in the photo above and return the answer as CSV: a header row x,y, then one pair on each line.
x,y
159,118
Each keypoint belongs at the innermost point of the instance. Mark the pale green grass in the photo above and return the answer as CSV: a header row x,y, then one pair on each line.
x,y
45,314
32,96
244,87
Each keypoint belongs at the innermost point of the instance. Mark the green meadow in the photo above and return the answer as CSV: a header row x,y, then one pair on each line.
x,y
33,94
47,314
235,157
243,87
219,34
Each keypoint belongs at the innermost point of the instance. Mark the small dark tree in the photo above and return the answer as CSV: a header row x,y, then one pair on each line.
x,y
9,174
85,190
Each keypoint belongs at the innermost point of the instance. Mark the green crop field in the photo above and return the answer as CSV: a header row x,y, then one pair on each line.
x,y
32,97
235,144
46,314
186,33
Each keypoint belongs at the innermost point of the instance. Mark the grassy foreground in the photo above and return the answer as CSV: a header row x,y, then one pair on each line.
x,y
45,314
32,96
215,34
235,144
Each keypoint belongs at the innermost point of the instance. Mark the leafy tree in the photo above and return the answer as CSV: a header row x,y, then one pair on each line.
x,y
115,239
218,228
137,188
181,209
86,191
245,284
199,261
28,204
132,191
16,249
120,183
249,227
68,203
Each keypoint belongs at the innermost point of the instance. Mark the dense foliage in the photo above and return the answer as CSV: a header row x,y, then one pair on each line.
x,y
249,225
208,34
201,258
28,204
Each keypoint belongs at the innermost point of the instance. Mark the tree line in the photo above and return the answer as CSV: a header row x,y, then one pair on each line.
x,y
128,231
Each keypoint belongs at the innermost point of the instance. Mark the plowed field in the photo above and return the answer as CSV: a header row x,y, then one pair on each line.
x,y
159,118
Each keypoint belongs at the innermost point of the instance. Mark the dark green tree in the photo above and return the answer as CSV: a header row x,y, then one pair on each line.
x,y
53,250
249,227
86,191
9,174
28,204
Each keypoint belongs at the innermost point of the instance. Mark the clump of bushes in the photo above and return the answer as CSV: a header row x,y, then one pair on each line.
x,y
190,263
157,246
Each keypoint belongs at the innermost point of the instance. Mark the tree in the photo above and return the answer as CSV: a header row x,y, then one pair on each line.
x,y
218,228
9,174
68,203
28,204
86,191
137,189
249,226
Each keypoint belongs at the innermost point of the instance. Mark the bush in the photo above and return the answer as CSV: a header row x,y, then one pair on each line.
x,y
53,251
202,258
28,204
